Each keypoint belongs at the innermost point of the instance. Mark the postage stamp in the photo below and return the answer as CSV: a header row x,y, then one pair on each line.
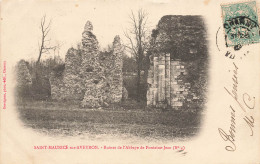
x,y
240,22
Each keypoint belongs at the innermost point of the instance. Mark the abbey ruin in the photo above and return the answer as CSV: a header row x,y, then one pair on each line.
x,y
177,77
93,77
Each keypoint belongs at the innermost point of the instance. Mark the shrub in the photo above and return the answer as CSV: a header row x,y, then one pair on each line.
x,y
33,79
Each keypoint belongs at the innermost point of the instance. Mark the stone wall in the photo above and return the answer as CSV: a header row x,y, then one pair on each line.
x,y
72,78
178,72
91,76
92,71
23,79
23,75
67,83
167,83
180,88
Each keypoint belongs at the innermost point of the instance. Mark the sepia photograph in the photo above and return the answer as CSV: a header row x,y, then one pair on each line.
x,y
150,84
97,81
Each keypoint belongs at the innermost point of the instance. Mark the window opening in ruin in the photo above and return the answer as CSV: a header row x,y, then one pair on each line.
x,y
96,81
90,69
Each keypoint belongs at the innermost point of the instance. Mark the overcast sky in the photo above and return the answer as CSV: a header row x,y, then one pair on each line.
x,y
21,21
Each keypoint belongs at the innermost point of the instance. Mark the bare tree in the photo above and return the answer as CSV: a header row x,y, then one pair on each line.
x,y
137,36
44,47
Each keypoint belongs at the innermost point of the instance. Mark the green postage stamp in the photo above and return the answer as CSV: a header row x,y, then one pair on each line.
x,y
240,23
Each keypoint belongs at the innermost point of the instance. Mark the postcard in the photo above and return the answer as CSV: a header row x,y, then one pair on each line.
x,y
151,81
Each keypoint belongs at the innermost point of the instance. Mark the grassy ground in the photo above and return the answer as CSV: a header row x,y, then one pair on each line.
x,y
128,118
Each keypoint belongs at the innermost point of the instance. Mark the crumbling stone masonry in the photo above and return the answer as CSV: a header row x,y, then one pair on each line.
x,y
177,76
69,83
24,79
23,75
167,86
91,76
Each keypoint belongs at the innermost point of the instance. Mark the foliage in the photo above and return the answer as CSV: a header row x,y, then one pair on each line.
x,y
39,87
137,36
58,70
129,64
184,37
129,82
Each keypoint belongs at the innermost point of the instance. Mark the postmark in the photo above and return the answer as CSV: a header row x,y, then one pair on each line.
x,y
240,22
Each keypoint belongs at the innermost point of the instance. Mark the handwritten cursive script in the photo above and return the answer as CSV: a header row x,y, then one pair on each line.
x,y
247,103
231,136
234,91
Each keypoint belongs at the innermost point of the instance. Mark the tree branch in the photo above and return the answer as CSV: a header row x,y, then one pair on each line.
x,y
45,29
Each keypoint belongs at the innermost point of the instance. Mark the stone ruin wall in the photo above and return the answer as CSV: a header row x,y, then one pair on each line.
x,y
23,79
168,84
68,85
177,76
90,76
23,75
